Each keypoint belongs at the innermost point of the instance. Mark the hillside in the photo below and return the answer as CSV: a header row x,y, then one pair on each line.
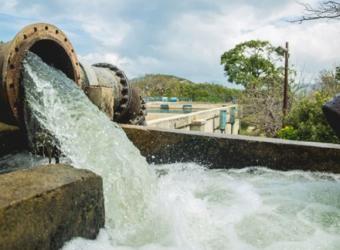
x,y
168,85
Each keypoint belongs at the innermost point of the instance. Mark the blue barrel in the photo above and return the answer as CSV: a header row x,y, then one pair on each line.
x,y
223,119
173,99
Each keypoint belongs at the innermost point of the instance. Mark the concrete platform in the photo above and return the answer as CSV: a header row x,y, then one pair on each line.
x,y
43,207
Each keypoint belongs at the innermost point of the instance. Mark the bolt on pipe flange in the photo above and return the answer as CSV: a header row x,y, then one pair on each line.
x,y
129,107
49,43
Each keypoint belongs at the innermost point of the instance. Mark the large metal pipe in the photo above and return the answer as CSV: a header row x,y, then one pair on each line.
x,y
128,105
48,42
55,49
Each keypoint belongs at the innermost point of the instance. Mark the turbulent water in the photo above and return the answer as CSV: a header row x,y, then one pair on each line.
x,y
180,206
252,208
90,140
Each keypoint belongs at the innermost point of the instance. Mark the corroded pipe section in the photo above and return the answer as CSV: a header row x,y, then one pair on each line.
x,y
48,42
103,83
332,112
128,106
106,85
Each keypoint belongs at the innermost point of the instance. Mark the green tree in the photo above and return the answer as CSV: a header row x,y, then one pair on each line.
x,y
254,65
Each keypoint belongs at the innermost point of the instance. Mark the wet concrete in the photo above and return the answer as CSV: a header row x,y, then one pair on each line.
x,y
233,151
216,150
43,207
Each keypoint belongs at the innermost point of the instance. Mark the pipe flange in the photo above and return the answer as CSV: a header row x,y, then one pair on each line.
x,y
125,91
40,37
139,119
128,110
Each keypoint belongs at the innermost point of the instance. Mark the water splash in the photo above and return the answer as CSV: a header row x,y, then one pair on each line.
x,y
90,140
186,206
248,209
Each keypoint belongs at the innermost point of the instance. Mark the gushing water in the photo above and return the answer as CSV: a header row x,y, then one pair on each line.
x,y
180,206
90,140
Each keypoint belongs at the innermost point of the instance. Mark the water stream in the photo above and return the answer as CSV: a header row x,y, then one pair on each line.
x,y
90,140
180,206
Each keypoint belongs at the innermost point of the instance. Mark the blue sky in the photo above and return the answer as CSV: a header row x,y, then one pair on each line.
x,y
180,37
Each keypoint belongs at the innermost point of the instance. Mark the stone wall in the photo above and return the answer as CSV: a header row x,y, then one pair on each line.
x,y
233,151
42,207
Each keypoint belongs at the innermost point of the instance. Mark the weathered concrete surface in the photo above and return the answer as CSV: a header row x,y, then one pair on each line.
x,y
41,208
232,151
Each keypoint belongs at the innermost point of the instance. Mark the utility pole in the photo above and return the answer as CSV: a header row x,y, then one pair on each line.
x,y
285,86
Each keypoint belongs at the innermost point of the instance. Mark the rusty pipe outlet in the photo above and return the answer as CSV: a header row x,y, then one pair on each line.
x,y
105,84
48,42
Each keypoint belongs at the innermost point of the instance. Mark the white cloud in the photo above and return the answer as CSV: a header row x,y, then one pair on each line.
x,y
8,6
109,33
185,38
112,58
199,39
133,67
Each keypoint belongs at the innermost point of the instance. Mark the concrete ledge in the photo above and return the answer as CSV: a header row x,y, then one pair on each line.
x,y
233,151
43,207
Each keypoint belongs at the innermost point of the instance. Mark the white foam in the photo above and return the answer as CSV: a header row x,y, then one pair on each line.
x,y
240,209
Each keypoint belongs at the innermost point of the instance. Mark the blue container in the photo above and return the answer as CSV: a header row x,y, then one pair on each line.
x,y
173,99
223,119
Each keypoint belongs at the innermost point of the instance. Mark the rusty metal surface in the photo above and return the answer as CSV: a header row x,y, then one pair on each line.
x,y
332,112
54,48
128,104
48,42
102,97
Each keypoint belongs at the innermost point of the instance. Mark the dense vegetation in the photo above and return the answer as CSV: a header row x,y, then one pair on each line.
x,y
306,120
172,86
256,65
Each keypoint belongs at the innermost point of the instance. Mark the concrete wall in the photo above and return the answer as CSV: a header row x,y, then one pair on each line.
x,y
233,151
203,121
43,207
